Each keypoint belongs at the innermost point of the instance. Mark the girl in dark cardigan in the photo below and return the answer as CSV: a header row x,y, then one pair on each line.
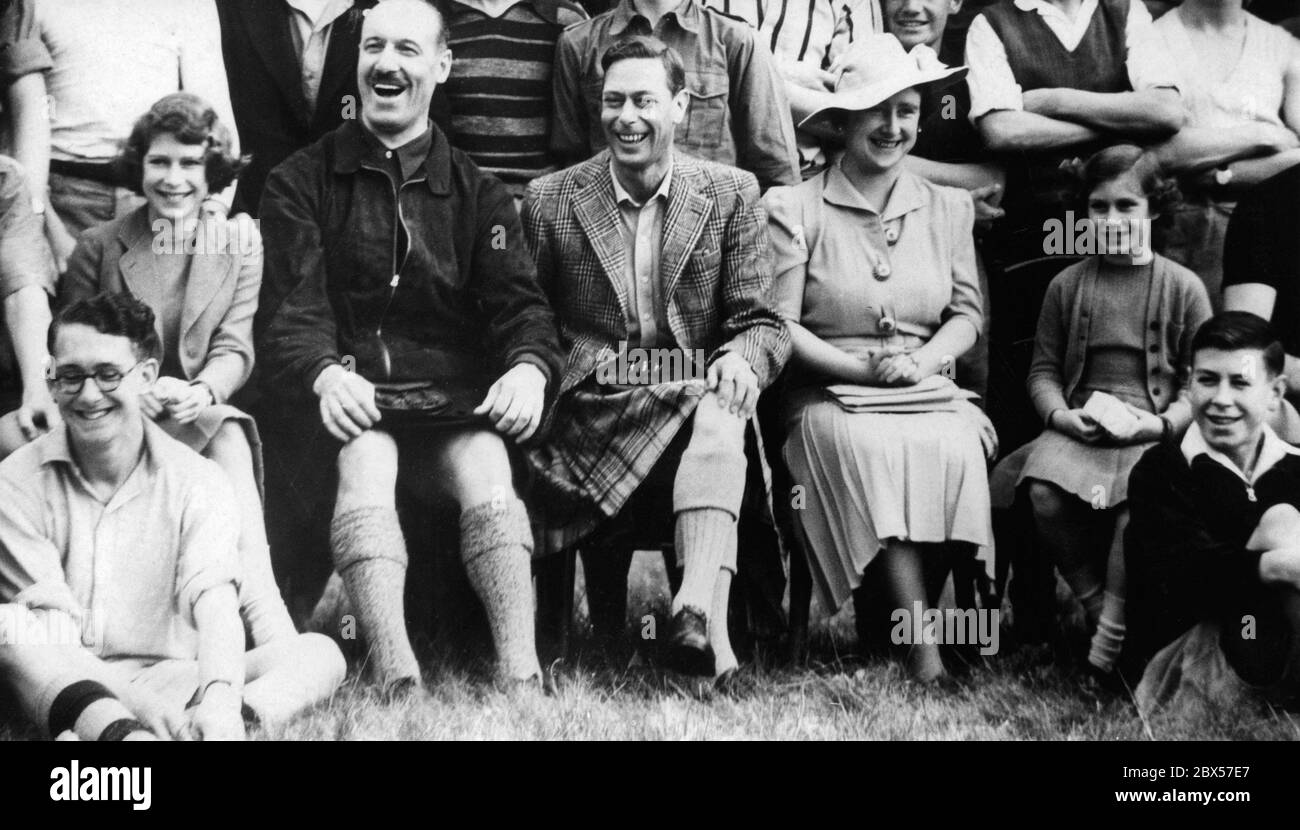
x,y
1118,323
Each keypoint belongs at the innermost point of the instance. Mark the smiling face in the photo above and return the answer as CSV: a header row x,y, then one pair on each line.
x,y
399,67
1121,216
174,179
879,138
918,21
95,417
639,113
1233,396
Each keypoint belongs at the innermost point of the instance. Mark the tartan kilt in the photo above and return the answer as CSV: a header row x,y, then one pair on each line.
x,y
603,443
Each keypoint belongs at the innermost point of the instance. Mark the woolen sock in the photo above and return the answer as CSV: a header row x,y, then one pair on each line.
x,y
496,544
370,556
1108,639
724,659
705,539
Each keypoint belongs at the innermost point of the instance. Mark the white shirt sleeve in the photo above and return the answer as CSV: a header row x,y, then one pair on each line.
x,y
203,72
854,20
992,84
1149,63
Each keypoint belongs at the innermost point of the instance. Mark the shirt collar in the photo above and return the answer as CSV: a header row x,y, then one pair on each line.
x,y
621,195
328,12
1046,9
907,195
410,155
1273,451
54,448
548,10
687,16
350,148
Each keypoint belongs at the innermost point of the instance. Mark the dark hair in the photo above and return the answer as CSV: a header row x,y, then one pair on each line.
x,y
644,47
191,120
1232,331
118,314
1106,165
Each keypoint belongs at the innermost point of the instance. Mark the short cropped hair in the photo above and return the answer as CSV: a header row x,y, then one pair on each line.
x,y
191,120
644,47
118,314
1233,331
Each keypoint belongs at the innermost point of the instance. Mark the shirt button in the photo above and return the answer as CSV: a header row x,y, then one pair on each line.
x,y
388,154
882,271
1155,371
1154,348
887,324
891,235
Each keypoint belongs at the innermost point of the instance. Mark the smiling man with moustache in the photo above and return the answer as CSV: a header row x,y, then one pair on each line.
x,y
1213,544
411,327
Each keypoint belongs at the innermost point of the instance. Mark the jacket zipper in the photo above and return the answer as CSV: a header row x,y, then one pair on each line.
x,y
397,275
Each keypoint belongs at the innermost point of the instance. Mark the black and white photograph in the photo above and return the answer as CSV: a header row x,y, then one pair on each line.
x,y
650,370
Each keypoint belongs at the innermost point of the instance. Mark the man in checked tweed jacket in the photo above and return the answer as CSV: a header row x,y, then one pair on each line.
x,y
643,247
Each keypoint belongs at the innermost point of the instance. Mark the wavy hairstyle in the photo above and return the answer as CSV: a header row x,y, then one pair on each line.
x,y
191,120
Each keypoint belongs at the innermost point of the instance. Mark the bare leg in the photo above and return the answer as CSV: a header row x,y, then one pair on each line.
x,y
906,579
1109,637
260,602
1068,531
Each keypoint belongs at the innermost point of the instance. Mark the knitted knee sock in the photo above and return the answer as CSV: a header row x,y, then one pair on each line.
x,y
707,491
1109,636
370,555
724,659
496,544
705,539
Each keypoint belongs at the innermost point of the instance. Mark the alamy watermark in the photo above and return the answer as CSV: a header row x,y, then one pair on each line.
x,y
949,626
1085,236
637,366
219,236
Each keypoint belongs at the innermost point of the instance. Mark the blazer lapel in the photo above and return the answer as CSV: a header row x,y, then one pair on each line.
x,y
207,274
598,216
684,221
268,28
137,264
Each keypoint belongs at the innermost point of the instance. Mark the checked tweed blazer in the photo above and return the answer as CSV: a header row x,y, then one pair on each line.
x,y
716,271
715,264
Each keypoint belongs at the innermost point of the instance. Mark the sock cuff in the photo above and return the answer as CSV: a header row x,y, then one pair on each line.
x,y
72,701
710,476
365,533
495,524
119,729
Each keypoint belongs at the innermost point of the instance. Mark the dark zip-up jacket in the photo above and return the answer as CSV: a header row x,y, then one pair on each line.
x,y
431,280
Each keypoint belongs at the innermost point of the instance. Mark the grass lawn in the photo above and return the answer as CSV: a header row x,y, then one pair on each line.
x,y
1020,694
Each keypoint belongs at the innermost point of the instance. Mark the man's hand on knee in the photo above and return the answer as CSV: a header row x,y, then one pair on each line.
x,y
347,402
735,383
516,401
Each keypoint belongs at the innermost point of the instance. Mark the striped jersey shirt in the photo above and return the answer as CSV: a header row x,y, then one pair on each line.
x,y
499,90
805,30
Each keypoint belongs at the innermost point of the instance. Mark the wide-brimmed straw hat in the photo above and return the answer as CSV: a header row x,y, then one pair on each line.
x,y
875,69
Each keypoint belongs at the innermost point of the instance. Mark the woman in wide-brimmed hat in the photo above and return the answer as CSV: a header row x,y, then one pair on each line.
x,y
876,278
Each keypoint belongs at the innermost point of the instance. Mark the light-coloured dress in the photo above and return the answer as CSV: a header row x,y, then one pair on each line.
x,y
857,279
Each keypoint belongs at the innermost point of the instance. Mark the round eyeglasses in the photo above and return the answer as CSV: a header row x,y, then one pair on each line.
x,y
107,378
